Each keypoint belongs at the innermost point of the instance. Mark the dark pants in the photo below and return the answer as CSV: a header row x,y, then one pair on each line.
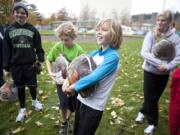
x,y
174,108
86,120
154,86
1,76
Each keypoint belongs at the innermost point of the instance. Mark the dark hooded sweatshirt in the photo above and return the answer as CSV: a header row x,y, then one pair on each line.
x,y
22,45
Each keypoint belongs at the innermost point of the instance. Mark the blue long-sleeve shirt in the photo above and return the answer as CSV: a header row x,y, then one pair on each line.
x,y
107,64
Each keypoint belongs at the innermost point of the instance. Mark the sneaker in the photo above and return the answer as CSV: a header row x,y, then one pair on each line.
x,y
37,105
149,130
21,115
140,117
63,129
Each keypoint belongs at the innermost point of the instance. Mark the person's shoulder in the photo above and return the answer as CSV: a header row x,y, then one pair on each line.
x,y
10,26
31,27
112,53
58,45
173,37
150,33
77,46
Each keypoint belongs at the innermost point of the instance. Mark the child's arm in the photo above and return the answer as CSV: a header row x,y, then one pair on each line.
x,y
38,46
48,64
6,51
108,66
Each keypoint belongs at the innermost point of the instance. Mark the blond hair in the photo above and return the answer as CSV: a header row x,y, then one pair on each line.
x,y
167,14
66,29
115,31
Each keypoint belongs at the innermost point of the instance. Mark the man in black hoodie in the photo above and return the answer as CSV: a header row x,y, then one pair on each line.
x,y
1,45
21,51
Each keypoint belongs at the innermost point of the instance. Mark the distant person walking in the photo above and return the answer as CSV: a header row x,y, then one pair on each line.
x,y
156,71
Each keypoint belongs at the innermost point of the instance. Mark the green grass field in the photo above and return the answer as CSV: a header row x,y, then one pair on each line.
x,y
121,109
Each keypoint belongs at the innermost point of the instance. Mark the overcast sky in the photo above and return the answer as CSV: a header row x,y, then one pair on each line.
x,y
142,6
47,7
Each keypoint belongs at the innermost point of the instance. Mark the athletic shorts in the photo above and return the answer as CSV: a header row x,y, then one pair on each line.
x,y
24,74
65,101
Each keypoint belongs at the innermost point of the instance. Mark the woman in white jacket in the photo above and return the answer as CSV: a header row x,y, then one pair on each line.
x,y
156,71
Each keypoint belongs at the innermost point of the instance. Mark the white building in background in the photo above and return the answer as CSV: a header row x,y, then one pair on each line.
x,y
108,8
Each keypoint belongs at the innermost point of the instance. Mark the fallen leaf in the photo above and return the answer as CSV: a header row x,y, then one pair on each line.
x,y
47,115
52,118
38,123
113,114
19,129
55,107
40,92
28,120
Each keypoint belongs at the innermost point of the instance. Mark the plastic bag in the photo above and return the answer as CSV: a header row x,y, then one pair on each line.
x,y
8,92
61,65
80,67
164,50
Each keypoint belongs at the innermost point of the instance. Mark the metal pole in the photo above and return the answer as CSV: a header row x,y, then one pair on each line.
x,y
164,4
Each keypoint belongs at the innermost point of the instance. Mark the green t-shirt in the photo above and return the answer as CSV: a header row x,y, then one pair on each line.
x,y
69,53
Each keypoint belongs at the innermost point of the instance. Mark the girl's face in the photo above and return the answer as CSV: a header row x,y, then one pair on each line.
x,y
162,24
103,34
67,41
20,16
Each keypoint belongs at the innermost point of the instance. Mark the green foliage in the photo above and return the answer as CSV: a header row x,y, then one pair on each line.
x,y
122,107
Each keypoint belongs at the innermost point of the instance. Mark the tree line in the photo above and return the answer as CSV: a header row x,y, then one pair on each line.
x,y
151,18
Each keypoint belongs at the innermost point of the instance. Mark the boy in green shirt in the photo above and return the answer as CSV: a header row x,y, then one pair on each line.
x,y
66,33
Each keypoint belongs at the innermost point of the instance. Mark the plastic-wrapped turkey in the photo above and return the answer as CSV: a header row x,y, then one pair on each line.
x,y
8,92
61,65
164,50
80,67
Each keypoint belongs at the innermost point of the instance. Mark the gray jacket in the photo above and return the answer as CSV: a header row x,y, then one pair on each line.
x,y
150,61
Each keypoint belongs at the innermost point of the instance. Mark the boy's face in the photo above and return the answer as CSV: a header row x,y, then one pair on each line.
x,y
20,16
103,34
67,41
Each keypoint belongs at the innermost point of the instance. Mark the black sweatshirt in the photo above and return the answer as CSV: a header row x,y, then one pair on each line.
x,y
1,43
22,45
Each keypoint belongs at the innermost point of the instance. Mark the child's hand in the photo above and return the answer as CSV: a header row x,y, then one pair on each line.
x,y
7,75
163,68
70,90
65,85
67,88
